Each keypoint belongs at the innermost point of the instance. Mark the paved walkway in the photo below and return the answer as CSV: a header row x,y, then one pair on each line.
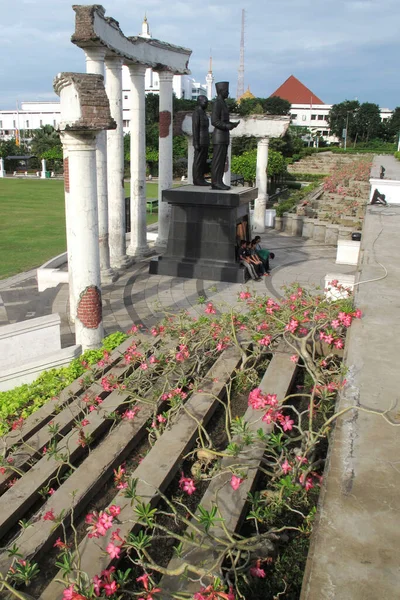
x,y
389,162
138,297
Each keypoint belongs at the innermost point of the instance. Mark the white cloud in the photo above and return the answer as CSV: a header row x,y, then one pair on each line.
x,y
316,41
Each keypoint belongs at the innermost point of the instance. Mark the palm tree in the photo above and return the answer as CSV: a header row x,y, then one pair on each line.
x,y
44,139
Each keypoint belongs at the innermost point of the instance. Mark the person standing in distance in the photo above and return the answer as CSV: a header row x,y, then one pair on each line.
x,y
220,136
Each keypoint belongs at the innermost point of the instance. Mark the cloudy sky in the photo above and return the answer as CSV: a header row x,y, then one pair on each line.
x,y
340,49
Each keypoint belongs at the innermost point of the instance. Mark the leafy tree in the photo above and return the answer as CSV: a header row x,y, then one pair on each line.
x,y
342,113
368,122
267,106
45,139
392,126
246,164
10,148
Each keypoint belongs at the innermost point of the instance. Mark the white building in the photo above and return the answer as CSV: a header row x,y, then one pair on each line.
x,y
310,111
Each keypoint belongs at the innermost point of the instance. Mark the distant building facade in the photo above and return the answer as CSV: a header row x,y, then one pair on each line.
x,y
308,110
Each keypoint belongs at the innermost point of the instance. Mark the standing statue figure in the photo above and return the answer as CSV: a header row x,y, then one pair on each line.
x,y
220,136
201,141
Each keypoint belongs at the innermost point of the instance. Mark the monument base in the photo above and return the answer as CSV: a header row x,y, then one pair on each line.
x,y
206,227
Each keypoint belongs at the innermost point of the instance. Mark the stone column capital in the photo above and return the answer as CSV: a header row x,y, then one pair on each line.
x,y
165,76
95,53
78,140
114,62
136,70
263,142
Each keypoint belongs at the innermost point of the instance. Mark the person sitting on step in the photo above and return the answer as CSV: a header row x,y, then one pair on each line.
x,y
244,259
257,262
263,253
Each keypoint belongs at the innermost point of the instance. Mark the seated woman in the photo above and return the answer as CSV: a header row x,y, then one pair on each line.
x,y
263,253
257,262
244,257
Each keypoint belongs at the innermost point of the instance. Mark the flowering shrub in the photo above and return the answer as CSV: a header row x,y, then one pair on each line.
x,y
26,399
283,506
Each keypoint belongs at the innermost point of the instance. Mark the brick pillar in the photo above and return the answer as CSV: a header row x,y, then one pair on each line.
x,y
164,155
82,232
138,245
261,182
115,146
95,64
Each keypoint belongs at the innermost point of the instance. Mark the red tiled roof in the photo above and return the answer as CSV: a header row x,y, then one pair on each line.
x,y
296,92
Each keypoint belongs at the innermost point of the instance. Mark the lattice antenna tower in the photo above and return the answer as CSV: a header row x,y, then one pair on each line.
x,y
240,83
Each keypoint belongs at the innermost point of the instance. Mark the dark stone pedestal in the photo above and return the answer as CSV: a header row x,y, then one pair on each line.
x,y
203,233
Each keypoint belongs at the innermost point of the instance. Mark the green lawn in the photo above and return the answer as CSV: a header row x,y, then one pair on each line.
x,y
32,222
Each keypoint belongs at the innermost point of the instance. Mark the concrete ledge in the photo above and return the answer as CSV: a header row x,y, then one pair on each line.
x,y
389,187
25,341
354,553
49,274
13,377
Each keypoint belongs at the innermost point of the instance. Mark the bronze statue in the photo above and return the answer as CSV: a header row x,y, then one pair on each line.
x,y
220,136
201,141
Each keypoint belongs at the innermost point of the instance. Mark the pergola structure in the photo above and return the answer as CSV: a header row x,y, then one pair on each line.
x,y
106,50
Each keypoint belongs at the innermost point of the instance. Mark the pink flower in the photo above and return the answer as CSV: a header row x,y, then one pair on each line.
x,y
114,510
257,572
302,459
210,309
161,419
235,482
60,544
358,314
187,485
68,593
335,323
110,588
130,414
294,358
97,585
287,423
144,579
244,295
292,325
113,550
144,366
51,491
153,360
49,516
286,467
84,422
338,344
265,341
308,484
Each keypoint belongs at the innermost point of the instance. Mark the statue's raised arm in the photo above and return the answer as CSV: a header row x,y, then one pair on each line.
x,y
220,136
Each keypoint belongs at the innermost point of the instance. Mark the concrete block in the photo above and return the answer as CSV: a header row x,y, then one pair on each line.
x,y
319,231
25,341
49,274
331,234
389,187
308,228
345,280
348,252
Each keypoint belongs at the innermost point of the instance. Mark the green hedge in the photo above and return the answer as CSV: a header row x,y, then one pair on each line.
x,y
307,176
295,199
397,155
26,399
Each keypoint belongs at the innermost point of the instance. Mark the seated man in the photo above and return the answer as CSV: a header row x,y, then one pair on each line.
x,y
257,262
246,262
263,253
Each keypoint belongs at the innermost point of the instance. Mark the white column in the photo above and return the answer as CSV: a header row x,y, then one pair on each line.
x,y
43,172
95,64
82,231
227,175
165,155
261,182
138,244
69,226
115,147
2,171
190,158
